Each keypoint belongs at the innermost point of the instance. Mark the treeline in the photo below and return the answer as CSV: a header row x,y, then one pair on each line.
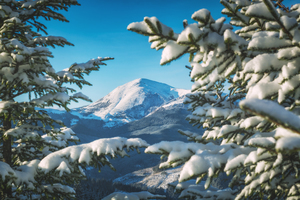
x,y
94,189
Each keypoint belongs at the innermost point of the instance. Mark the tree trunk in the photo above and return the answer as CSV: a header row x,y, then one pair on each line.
x,y
7,154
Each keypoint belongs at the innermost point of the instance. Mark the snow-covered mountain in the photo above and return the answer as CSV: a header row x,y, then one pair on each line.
x,y
141,108
130,102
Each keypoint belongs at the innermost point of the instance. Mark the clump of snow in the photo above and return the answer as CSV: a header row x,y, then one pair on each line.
x,y
202,15
287,141
288,22
272,111
5,105
26,173
6,171
268,41
191,30
59,96
260,10
144,28
81,96
172,51
62,137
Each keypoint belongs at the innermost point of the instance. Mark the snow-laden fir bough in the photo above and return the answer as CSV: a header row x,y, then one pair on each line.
x,y
252,132
35,160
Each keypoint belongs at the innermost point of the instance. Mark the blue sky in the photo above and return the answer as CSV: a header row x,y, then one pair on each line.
x,y
98,28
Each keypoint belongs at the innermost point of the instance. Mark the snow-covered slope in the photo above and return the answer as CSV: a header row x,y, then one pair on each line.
x,y
130,102
150,178
162,179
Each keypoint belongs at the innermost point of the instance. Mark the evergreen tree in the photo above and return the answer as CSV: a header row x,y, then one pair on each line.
x,y
35,160
252,132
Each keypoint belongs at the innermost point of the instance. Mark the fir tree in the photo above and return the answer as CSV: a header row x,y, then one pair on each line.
x,y
252,132
35,160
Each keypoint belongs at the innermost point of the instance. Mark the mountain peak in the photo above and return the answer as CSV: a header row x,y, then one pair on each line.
x,y
143,82
133,100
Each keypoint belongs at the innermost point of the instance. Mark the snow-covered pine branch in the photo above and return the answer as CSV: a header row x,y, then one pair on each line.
x,y
65,166
190,190
255,140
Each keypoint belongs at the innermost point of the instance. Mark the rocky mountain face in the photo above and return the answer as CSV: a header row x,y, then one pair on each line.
x,y
141,108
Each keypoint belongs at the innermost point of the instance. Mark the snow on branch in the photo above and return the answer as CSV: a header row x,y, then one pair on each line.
x,y
191,34
200,159
203,16
50,40
260,10
287,140
172,51
6,172
151,26
190,190
91,64
272,112
80,95
60,138
84,153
